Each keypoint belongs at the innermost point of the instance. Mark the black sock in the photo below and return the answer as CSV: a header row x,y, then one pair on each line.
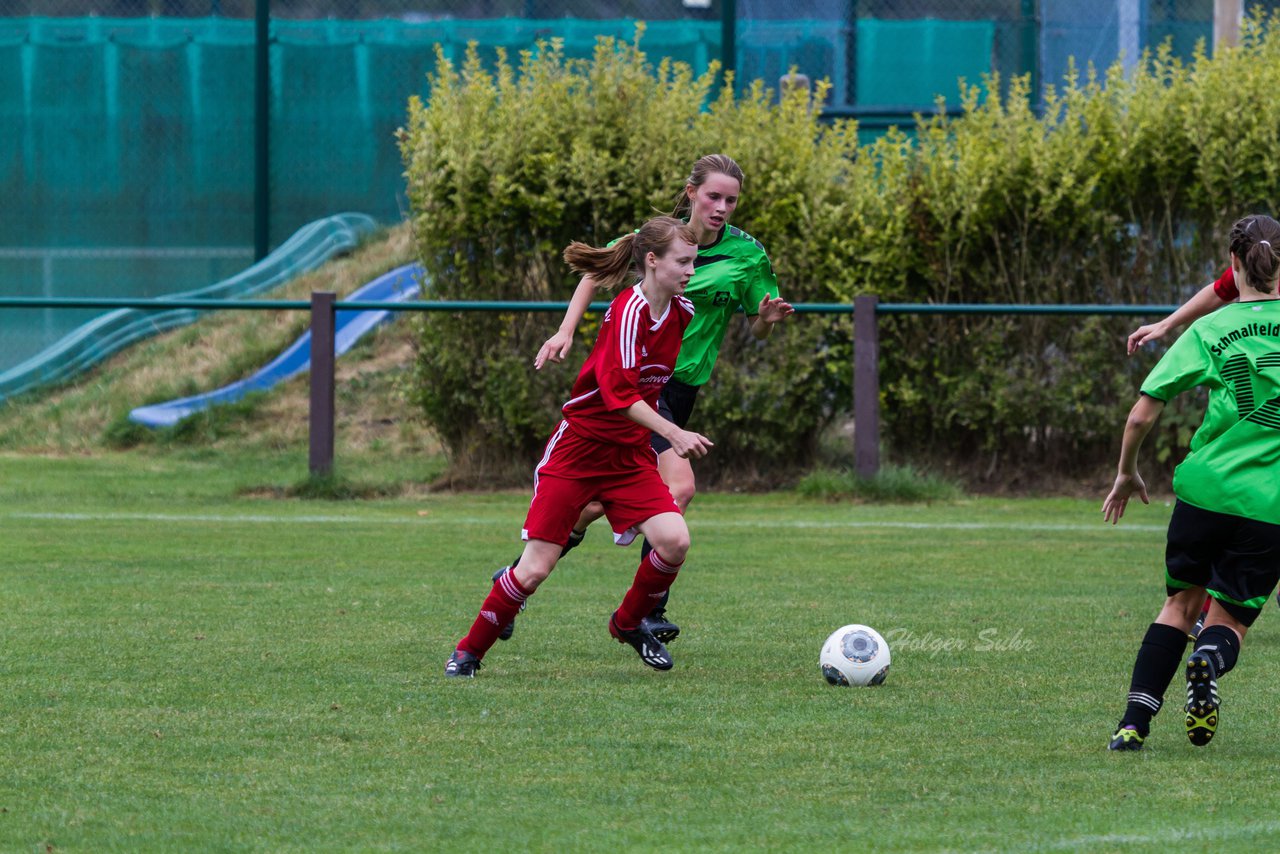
x,y
1159,657
1222,645
575,540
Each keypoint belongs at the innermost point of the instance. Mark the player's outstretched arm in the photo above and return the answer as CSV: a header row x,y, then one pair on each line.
x,y
1204,302
1128,482
557,346
770,312
685,443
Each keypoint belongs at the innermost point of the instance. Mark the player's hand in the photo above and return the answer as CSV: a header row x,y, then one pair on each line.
x,y
1146,334
554,350
773,310
1125,486
690,445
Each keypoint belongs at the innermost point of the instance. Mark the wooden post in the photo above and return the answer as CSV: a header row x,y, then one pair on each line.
x,y
866,387
1227,15
322,383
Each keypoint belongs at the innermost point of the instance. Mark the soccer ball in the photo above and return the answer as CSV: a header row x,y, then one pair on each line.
x,y
855,655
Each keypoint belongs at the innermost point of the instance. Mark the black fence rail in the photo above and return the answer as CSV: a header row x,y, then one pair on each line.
x,y
324,305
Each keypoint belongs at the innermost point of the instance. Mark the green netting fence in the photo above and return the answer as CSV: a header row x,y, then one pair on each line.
x,y
129,167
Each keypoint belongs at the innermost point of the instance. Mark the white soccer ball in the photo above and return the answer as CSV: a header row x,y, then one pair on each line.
x,y
855,655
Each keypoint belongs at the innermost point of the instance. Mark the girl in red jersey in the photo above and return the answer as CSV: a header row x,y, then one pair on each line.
x,y
733,275
601,450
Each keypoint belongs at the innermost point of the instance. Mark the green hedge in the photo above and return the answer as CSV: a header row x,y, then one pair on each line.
x,y
505,169
1121,191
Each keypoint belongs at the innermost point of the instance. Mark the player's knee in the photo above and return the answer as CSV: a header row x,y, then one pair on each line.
x,y
1183,607
532,574
672,545
683,490
677,474
535,564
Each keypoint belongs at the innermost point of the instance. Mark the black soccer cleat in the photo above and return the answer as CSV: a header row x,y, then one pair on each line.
x,y
650,649
1202,698
661,628
461,663
510,628
1126,738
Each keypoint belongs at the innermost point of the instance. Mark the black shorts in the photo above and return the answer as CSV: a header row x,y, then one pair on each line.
x,y
1237,559
676,405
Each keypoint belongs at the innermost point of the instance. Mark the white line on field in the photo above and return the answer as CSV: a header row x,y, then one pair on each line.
x,y
704,524
208,517
951,526
1170,836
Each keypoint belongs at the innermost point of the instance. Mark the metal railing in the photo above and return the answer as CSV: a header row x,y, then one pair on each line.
x,y
323,306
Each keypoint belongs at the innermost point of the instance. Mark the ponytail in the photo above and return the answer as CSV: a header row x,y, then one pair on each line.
x,y
610,267
615,265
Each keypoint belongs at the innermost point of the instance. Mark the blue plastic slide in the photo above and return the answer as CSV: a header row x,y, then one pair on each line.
x,y
349,326
107,334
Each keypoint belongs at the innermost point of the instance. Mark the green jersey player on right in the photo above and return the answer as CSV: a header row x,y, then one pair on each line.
x,y
731,272
1224,535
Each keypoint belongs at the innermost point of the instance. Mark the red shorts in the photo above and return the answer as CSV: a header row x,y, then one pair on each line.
x,y
574,471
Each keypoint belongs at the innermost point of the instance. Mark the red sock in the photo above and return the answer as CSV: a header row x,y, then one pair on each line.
x,y
500,607
1205,609
653,579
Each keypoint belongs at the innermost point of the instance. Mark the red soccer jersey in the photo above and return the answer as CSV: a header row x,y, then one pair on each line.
x,y
1226,288
632,360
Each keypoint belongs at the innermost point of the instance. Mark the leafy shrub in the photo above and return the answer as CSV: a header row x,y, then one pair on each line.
x,y
1121,192
505,168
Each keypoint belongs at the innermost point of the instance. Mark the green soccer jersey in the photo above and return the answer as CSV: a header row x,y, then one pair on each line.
x,y
732,272
1234,461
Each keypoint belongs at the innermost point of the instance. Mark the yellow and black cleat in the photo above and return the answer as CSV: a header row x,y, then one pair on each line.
x,y
1126,738
1202,699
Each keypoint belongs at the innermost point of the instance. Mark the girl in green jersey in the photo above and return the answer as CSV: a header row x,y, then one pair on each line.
x,y
1224,535
732,272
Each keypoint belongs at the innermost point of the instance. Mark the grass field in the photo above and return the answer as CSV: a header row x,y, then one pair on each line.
x,y
188,668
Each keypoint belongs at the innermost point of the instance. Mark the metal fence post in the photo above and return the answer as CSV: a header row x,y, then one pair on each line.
x,y
322,383
866,387
851,57
1030,22
729,39
262,131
